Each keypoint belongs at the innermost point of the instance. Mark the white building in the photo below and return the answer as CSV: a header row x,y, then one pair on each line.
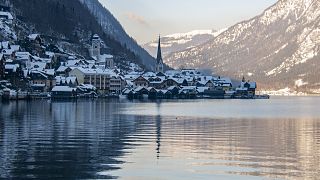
x,y
105,80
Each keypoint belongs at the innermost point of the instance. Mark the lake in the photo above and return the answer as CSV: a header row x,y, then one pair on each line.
x,y
277,138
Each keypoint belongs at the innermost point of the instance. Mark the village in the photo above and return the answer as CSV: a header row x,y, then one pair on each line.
x,y
40,71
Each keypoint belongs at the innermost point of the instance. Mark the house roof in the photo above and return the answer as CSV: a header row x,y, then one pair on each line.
x,y
61,69
140,77
106,56
50,54
39,66
149,74
12,67
139,89
89,71
15,47
49,71
8,14
38,74
33,36
4,44
7,51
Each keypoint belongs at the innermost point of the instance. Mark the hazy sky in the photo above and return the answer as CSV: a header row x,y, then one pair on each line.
x,y
145,19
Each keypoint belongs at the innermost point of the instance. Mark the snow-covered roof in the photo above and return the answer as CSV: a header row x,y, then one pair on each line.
x,y
226,80
178,80
33,36
106,56
131,76
129,83
89,71
15,47
149,74
9,61
22,55
61,69
50,54
7,14
172,87
49,71
12,67
7,51
4,44
172,72
63,89
164,91
189,87
96,36
39,66
70,63
40,73
139,88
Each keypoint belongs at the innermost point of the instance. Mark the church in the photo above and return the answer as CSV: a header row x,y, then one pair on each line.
x,y
95,53
159,63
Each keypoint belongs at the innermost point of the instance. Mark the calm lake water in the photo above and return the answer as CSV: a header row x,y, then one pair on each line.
x,y
192,139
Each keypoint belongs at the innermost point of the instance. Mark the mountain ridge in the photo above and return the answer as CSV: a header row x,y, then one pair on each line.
x,y
181,41
282,38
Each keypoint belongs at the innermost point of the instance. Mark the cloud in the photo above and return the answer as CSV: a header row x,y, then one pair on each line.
x,y
136,18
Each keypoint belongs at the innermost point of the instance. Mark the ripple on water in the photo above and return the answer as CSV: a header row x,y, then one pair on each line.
x,y
99,139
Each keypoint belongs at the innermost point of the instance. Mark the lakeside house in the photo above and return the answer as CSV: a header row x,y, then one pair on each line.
x,y
63,92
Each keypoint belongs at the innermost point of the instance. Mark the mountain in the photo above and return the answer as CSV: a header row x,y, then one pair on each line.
x,y
181,41
279,48
111,26
72,23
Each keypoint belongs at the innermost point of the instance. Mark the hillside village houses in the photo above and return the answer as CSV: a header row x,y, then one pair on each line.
x,y
37,69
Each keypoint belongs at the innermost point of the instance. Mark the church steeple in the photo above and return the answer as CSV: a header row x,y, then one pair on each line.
x,y
159,54
159,66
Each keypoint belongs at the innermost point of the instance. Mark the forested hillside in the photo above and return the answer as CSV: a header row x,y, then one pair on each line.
x,y
68,22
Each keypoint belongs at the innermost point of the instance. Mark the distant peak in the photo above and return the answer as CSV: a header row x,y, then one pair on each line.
x,y
194,33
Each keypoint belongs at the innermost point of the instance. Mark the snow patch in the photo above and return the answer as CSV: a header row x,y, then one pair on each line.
x,y
299,83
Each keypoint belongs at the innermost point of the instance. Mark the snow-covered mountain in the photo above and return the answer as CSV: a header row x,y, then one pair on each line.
x,y
279,48
181,41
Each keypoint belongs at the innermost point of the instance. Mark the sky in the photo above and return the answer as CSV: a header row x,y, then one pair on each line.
x,y
144,20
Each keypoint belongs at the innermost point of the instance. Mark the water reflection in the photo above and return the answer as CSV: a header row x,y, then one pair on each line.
x,y
100,139
62,139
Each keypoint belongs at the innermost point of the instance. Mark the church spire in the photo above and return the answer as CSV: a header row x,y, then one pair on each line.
x,y
159,54
159,65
